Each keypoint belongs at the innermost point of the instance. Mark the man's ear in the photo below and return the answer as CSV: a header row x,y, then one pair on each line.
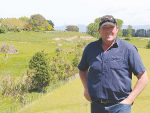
x,y
117,28
99,30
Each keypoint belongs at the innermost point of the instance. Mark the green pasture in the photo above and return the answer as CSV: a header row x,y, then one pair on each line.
x,y
27,44
69,97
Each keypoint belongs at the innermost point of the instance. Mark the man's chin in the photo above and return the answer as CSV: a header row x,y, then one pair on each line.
x,y
110,39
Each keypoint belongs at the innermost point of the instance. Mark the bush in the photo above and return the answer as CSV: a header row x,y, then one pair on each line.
x,y
13,23
127,38
148,45
72,28
28,27
17,29
9,87
3,29
41,75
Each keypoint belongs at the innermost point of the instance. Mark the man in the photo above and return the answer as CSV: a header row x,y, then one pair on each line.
x,y
106,71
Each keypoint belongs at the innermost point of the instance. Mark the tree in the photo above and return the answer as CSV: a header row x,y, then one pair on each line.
x,y
13,23
92,29
51,23
38,22
39,65
24,19
1,19
128,32
72,28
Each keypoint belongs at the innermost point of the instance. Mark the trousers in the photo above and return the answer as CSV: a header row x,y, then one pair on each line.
x,y
97,107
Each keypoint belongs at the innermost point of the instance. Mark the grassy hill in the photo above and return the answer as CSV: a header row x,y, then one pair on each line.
x,y
28,43
66,99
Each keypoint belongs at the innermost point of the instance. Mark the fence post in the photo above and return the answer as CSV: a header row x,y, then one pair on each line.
x,y
11,109
49,89
14,108
30,100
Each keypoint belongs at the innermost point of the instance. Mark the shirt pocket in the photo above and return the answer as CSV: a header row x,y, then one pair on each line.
x,y
96,65
118,62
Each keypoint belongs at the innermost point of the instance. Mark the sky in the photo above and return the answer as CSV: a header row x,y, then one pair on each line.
x,y
74,12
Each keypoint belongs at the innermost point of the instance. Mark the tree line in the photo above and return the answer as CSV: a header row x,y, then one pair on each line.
x,y
92,29
36,23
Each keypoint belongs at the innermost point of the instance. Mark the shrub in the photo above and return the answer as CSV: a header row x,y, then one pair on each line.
x,y
41,74
3,29
9,87
27,27
127,38
17,29
148,45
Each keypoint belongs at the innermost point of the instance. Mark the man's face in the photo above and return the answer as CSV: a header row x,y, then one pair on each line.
x,y
108,33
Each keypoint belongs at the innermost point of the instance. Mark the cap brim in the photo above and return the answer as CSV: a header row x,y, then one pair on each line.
x,y
107,23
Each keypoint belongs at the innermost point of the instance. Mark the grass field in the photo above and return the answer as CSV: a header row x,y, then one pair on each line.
x,y
27,44
69,97
66,99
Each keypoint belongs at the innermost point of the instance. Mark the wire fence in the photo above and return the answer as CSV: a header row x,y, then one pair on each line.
x,y
31,99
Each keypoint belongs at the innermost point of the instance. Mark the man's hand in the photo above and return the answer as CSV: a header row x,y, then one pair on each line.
x,y
87,95
125,101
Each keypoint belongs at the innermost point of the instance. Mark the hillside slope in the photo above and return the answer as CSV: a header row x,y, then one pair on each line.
x,y
66,99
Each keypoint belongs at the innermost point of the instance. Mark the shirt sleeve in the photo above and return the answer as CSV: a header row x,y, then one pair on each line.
x,y
84,65
136,62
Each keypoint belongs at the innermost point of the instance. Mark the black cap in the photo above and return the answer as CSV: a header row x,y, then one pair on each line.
x,y
107,20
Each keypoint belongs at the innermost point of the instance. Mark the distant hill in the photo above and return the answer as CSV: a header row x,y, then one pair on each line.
x,y
136,27
82,28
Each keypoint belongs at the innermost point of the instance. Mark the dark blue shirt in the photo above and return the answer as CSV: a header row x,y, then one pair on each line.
x,y
110,74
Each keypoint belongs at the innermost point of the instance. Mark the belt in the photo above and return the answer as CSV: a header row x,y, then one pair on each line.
x,y
104,101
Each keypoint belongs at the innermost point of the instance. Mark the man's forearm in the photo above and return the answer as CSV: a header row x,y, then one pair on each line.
x,y
83,76
140,85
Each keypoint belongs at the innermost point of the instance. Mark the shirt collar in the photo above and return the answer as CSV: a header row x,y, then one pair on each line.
x,y
116,44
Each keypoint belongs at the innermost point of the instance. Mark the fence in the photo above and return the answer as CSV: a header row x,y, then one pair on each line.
x,y
28,101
